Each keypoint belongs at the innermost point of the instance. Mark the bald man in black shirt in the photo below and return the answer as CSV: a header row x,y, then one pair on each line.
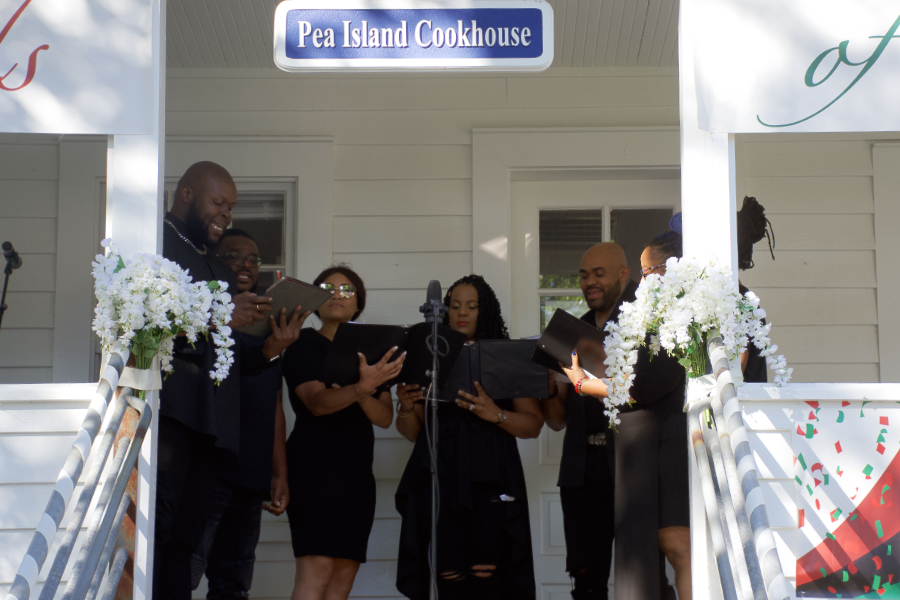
x,y
198,418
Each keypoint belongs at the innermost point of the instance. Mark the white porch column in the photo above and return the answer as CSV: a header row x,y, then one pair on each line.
x,y
709,228
134,208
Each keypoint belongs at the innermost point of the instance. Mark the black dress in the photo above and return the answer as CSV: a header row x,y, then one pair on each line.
x,y
332,505
755,371
650,447
483,518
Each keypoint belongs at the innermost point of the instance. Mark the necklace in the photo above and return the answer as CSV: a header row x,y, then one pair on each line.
x,y
189,243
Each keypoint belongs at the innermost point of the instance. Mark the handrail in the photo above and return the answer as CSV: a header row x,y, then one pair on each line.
x,y
741,466
741,533
88,571
707,486
39,548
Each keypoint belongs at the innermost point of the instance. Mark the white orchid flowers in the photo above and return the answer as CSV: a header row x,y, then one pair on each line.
x,y
679,310
149,300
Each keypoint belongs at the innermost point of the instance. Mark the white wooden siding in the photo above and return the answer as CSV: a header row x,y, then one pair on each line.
x,y
29,172
819,292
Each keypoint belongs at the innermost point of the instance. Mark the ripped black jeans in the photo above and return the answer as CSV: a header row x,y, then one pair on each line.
x,y
471,545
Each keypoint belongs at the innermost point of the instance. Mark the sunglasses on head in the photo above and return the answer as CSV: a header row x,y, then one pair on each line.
x,y
236,259
345,289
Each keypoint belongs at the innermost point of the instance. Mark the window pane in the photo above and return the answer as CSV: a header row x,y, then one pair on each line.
x,y
564,236
262,216
633,229
573,305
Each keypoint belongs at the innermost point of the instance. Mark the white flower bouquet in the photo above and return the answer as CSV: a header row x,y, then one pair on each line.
x,y
145,302
680,310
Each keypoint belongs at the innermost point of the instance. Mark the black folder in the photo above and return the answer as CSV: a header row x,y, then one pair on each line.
x,y
419,360
288,293
565,333
502,367
342,360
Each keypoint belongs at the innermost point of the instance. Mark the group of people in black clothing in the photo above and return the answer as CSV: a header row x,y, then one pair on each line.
x,y
224,456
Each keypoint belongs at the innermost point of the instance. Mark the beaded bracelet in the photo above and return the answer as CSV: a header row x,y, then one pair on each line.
x,y
578,386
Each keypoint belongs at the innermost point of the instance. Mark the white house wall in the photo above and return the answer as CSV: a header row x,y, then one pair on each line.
x,y
820,289
29,173
402,215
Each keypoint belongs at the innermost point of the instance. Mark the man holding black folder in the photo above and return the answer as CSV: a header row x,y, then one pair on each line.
x,y
198,419
585,475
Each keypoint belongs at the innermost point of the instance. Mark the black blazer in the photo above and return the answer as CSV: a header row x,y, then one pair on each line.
x,y
189,395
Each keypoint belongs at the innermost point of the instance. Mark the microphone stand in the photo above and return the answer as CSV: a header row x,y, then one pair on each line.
x,y
433,310
7,272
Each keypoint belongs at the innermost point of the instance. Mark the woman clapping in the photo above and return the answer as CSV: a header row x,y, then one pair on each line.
x,y
330,450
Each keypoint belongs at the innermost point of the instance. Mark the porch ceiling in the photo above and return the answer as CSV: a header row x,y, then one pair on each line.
x,y
222,34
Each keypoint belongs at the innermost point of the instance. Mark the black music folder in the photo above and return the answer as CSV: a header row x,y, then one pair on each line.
x,y
565,333
342,361
288,293
502,367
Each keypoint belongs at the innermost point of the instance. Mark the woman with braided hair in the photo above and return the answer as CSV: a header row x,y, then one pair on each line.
x,y
752,226
483,535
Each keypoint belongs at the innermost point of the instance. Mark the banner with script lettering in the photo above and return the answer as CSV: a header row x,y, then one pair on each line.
x,y
797,65
75,66
393,35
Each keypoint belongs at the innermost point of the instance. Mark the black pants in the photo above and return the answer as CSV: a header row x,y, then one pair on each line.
x,y
589,526
184,476
651,490
227,551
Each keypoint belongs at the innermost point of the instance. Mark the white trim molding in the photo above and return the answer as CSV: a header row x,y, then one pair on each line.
x,y
497,154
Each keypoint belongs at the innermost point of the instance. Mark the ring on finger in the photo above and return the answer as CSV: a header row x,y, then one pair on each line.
x,y
257,307
472,406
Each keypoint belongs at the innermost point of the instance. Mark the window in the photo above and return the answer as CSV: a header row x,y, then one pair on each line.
x,y
261,214
565,235
264,211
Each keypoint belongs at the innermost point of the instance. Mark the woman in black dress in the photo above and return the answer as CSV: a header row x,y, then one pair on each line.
x,y
484,540
330,450
650,447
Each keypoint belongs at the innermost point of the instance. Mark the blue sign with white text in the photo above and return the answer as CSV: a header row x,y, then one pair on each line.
x,y
512,34
471,33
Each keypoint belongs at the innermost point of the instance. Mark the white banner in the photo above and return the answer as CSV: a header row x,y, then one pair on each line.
x,y
75,66
796,65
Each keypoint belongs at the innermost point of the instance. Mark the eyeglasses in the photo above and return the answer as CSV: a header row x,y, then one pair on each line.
x,y
648,270
346,290
236,259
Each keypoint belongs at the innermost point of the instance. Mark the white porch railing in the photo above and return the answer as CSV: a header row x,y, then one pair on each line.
x,y
107,516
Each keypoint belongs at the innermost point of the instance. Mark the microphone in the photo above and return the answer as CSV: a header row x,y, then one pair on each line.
x,y
434,304
15,261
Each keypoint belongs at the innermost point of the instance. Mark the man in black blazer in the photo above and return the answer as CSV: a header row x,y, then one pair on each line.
x,y
585,477
198,419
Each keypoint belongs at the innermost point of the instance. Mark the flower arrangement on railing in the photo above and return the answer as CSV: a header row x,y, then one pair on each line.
x,y
681,310
147,301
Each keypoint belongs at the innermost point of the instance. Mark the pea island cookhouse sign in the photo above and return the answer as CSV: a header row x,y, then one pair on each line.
x,y
393,35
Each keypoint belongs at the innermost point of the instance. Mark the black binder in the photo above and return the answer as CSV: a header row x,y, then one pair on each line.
x,y
342,361
565,333
288,293
502,367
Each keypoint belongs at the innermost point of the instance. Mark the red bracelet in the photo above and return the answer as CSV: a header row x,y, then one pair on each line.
x,y
578,386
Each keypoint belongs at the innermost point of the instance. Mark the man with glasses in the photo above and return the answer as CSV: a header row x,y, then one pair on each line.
x,y
227,551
